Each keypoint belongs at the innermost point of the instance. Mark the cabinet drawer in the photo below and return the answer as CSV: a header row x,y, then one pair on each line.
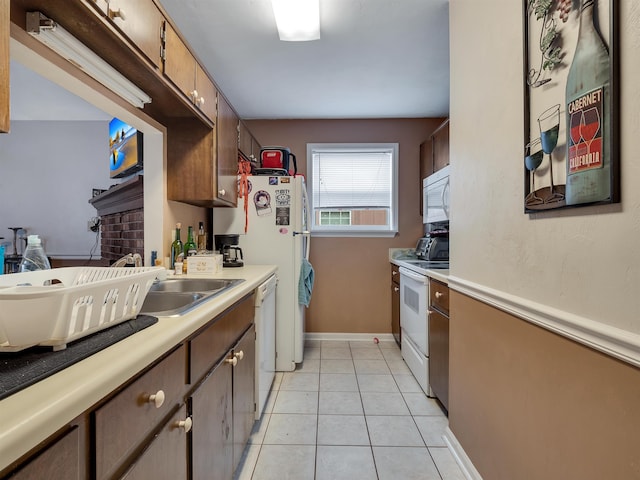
x,y
439,296
212,343
166,456
123,422
395,274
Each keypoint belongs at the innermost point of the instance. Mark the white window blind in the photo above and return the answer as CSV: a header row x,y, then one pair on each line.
x,y
357,178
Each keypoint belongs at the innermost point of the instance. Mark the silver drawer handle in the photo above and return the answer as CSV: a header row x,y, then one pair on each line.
x,y
439,295
239,355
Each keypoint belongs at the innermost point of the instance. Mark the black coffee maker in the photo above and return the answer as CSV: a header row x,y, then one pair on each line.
x,y
231,253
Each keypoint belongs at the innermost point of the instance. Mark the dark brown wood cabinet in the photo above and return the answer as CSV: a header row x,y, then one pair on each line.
x,y
4,66
227,154
141,22
166,455
439,340
122,423
243,392
206,94
395,303
248,146
212,434
64,457
434,153
202,163
441,146
222,405
193,409
184,71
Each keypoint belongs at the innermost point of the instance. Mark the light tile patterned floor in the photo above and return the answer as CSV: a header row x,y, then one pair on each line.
x,y
352,411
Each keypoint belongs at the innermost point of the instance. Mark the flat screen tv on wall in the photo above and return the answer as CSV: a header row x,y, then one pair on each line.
x,y
125,149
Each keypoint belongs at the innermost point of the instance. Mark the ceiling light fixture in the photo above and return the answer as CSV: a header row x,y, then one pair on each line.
x,y
66,45
297,20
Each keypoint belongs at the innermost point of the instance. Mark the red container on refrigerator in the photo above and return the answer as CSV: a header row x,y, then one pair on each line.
x,y
278,158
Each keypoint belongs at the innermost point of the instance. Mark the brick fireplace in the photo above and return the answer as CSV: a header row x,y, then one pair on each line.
x,y
121,212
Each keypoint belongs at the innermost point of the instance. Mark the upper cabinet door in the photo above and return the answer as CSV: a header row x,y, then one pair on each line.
x,y
4,66
179,64
227,160
207,94
441,147
141,21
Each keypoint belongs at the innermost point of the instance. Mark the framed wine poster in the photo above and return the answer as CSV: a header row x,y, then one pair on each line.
x,y
570,156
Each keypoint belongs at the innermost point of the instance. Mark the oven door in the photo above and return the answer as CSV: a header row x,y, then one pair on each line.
x,y
414,295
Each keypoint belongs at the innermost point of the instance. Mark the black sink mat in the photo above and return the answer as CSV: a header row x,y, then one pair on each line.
x,y
19,370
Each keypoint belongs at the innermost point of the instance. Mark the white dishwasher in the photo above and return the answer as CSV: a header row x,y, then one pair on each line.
x,y
265,320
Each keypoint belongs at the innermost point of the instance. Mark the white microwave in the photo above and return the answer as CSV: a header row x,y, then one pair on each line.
x,y
435,197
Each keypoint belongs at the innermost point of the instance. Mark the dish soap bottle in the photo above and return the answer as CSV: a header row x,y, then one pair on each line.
x,y
34,257
176,248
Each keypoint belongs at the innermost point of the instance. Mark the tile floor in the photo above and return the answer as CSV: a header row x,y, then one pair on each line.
x,y
353,411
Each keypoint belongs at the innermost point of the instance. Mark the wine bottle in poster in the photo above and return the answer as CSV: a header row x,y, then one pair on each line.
x,y
588,115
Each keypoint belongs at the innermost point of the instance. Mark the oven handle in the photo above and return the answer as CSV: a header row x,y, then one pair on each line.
x,y
413,276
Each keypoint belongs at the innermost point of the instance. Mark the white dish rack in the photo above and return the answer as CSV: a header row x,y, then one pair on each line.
x,y
54,307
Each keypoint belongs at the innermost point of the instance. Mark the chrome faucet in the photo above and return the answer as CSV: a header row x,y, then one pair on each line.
x,y
130,260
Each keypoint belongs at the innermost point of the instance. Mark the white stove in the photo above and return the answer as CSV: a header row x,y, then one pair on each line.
x,y
420,266
414,316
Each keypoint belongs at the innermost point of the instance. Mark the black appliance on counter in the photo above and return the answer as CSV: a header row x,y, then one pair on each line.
x,y
231,253
434,246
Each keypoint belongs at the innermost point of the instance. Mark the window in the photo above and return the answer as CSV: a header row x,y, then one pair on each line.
x,y
353,189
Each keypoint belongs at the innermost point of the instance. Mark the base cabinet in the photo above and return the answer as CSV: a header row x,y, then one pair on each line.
x,y
166,455
212,435
64,458
395,303
187,416
223,412
243,392
439,341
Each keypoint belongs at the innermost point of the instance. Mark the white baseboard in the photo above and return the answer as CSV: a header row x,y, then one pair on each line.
x,y
460,456
352,337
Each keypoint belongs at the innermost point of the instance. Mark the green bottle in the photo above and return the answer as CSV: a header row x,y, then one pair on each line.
x,y
190,248
176,248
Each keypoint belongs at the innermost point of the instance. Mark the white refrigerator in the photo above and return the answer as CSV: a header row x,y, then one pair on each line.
x,y
277,234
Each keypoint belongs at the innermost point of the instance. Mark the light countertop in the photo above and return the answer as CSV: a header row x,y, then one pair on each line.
x,y
397,254
34,413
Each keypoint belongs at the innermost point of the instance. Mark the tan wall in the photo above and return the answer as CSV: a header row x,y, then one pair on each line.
x,y
528,404
351,292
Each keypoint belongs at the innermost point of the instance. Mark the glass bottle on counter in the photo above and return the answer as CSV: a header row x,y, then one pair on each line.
x,y
177,251
588,115
34,257
190,247
202,238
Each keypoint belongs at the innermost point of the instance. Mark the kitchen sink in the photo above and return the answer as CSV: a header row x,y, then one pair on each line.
x,y
176,296
182,285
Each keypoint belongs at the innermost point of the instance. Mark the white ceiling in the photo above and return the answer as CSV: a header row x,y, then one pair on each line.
x,y
375,59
